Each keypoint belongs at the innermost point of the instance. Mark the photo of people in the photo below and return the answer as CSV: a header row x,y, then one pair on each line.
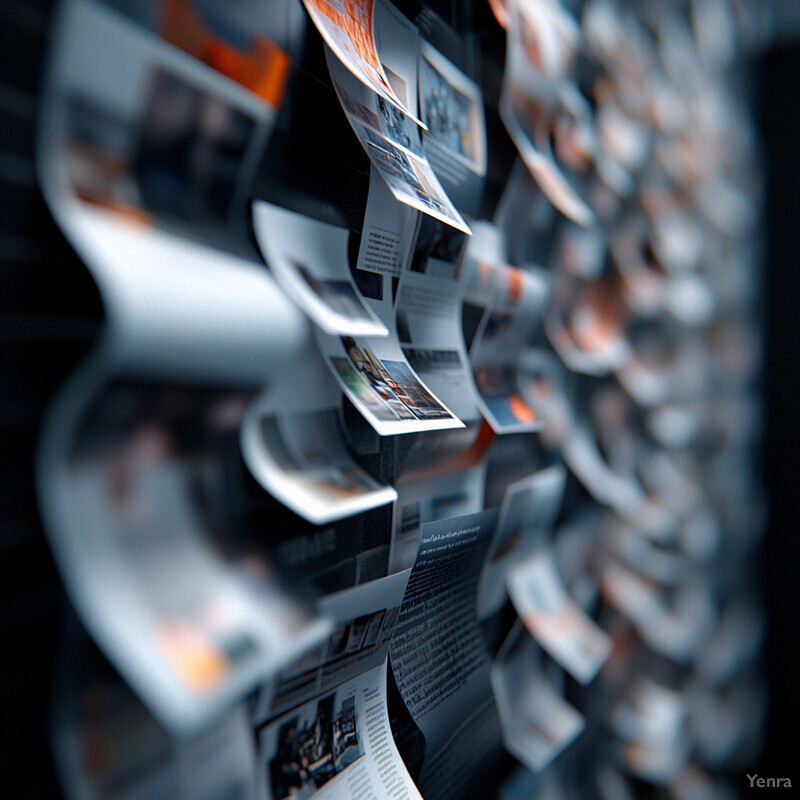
x,y
381,404
313,746
398,127
395,384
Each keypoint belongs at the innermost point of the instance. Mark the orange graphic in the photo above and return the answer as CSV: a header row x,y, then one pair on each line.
x,y
264,69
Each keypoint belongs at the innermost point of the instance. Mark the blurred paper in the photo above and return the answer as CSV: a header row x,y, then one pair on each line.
x,y
554,620
652,722
191,646
502,309
107,746
586,324
540,41
301,459
678,629
537,722
530,507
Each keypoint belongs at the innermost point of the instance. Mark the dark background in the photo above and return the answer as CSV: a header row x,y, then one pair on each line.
x,y
775,91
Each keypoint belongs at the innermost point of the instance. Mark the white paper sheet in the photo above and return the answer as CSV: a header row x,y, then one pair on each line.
x,y
309,261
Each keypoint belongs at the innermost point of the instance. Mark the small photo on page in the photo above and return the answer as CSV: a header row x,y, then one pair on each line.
x,y
312,746
388,387
452,108
309,260
337,746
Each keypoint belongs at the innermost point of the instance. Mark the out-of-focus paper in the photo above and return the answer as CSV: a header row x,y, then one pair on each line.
x,y
503,304
586,324
190,646
540,40
309,261
108,746
537,722
301,459
339,745
677,629
651,721
553,619
529,509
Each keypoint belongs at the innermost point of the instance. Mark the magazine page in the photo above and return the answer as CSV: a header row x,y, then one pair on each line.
x,y
364,619
113,139
530,507
339,745
428,499
438,655
108,746
301,459
393,145
191,647
347,26
540,41
507,303
451,106
387,237
428,317
553,618
309,261
537,722
373,372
